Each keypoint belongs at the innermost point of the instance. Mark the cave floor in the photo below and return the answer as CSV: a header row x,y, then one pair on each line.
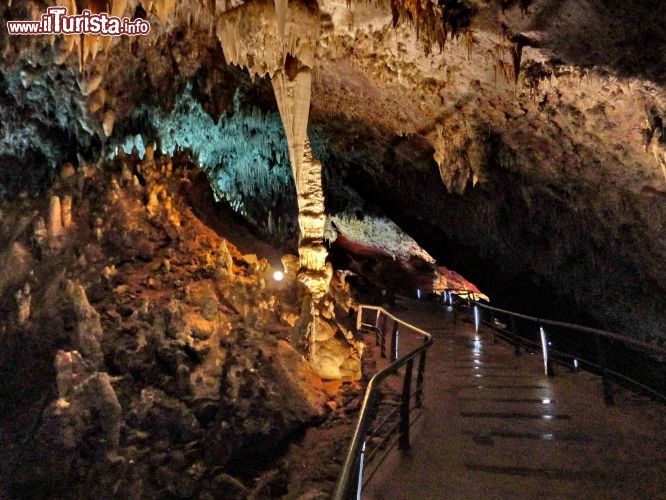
x,y
495,427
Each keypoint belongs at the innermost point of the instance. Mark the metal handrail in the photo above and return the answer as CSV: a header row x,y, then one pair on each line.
x,y
601,364
350,482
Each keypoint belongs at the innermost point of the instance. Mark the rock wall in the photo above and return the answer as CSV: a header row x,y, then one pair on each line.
x,y
152,360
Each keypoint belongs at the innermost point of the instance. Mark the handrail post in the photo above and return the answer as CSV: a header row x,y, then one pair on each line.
x,y
403,441
377,318
547,363
607,388
420,379
361,463
380,330
514,331
359,318
394,341
477,318
382,341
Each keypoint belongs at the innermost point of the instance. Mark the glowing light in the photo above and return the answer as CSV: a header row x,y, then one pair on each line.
x,y
544,347
278,275
546,401
360,470
418,293
548,417
477,318
476,347
548,436
575,364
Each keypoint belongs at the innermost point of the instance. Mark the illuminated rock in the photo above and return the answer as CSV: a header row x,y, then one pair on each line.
x,y
88,331
54,228
23,299
66,211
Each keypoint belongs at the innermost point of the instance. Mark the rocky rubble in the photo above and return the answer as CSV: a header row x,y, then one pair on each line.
x,y
145,356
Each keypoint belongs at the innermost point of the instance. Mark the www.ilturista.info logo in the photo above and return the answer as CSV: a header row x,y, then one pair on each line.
x,y
57,22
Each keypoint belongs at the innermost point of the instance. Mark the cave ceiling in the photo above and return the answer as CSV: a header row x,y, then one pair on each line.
x,y
520,143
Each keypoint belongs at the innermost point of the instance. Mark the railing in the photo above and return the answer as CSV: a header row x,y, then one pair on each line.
x,y
375,433
616,358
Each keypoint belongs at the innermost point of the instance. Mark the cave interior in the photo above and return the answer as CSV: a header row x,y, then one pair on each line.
x,y
151,187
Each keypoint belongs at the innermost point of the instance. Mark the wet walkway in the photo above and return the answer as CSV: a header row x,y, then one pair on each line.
x,y
496,427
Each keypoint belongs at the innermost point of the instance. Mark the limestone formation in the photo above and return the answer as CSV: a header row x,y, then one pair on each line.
x,y
70,372
224,263
284,50
88,331
66,211
54,228
40,233
82,392
23,299
312,219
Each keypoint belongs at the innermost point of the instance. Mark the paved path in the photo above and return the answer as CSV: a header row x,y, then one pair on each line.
x,y
496,427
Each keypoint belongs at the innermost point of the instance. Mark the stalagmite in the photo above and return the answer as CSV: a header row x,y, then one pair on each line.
x,y
54,227
312,220
40,233
88,331
66,211
70,371
23,299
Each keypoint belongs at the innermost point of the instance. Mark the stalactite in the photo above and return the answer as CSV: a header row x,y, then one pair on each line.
x,y
281,16
163,9
108,122
117,7
264,51
293,99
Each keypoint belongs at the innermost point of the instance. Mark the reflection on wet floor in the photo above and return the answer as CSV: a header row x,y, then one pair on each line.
x,y
543,472
492,375
544,401
476,386
516,415
541,436
508,431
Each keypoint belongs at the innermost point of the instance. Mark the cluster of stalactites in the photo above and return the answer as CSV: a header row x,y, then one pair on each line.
x,y
87,47
262,34
460,153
